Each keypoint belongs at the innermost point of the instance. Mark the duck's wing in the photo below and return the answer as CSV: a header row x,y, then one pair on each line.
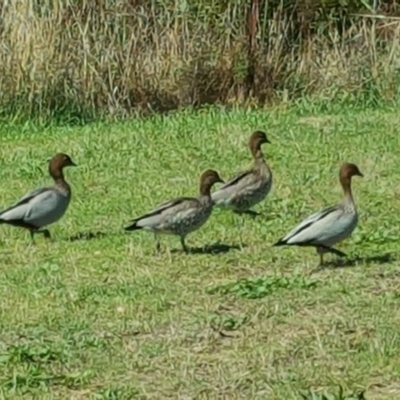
x,y
178,207
22,208
233,186
317,228
236,180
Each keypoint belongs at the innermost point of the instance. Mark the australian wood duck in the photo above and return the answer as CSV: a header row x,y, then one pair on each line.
x,y
249,187
325,228
182,215
43,206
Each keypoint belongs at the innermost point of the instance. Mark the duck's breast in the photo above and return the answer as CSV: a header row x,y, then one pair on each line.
x,y
190,219
47,208
339,228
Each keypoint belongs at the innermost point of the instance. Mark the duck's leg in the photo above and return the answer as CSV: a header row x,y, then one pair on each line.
x,y
46,234
184,247
240,225
241,221
158,244
321,260
32,235
320,252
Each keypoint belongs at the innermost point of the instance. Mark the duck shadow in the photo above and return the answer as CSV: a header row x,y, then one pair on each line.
x,y
250,213
86,236
213,249
352,262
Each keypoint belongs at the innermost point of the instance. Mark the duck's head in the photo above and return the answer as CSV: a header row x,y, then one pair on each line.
x,y
207,180
58,163
256,140
348,170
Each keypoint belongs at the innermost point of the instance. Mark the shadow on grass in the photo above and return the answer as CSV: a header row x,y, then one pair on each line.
x,y
250,213
352,262
86,236
215,248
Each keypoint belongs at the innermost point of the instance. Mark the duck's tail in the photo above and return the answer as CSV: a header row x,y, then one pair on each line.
x,y
133,227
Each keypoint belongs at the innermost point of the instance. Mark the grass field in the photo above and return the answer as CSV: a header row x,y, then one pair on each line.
x,y
95,314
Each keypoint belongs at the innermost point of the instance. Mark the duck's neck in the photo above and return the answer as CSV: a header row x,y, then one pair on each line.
x,y
59,180
205,190
57,174
205,194
258,155
260,164
347,192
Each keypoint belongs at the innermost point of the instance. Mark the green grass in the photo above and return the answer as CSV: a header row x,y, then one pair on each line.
x,y
107,319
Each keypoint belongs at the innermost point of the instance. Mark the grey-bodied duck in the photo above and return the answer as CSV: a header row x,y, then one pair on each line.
x,y
43,206
331,225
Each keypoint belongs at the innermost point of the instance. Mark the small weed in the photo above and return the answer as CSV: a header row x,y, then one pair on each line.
x,y
228,322
36,377
116,394
261,287
31,354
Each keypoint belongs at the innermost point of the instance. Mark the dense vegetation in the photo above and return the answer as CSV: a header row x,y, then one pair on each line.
x,y
83,59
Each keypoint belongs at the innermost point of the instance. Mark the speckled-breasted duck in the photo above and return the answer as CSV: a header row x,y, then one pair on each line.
x,y
182,215
250,187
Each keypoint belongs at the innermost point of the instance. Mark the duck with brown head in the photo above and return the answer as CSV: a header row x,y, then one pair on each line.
x,y
43,206
325,228
182,215
248,188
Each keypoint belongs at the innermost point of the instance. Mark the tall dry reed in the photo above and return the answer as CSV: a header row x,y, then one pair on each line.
x,y
112,57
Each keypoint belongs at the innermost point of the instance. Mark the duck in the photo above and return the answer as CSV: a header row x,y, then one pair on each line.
x,y
44,206
182,215
331,225
250,187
